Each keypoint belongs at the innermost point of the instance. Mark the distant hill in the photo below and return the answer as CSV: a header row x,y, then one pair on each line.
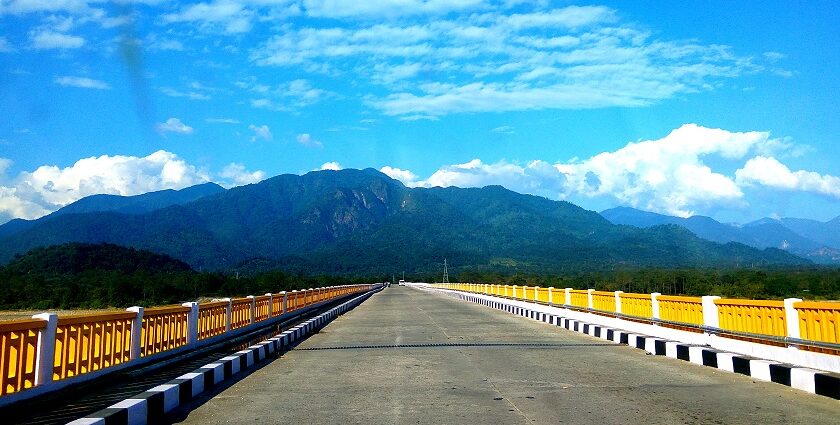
x,y
74,258
787,234
137,204
361,222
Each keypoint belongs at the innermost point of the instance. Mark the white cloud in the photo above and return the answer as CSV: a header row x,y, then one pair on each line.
x,y
32,194
405,176
174,125
222,120
192,95
482,58
332,165
47,39
227,16
260,133
82,82
668,175
5,46
505,129
769,172
306,140
235,174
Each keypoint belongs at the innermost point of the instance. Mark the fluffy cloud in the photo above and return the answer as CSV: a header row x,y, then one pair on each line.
x,y
769,172
235,174
384,8
669,175
174,125
32,194
5,46
260,133
306,140
46,39
82,82
332,165
405,176
228,16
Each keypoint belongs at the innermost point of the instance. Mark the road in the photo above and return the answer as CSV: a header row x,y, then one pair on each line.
x,y
411,357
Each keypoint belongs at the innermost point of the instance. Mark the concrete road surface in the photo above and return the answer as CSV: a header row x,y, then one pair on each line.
x,y
461,363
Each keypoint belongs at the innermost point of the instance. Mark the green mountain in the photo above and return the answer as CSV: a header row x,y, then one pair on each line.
x,y
806,238
362,222
137,204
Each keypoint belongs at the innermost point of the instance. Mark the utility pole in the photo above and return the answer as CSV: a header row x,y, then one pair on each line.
x,y
445,272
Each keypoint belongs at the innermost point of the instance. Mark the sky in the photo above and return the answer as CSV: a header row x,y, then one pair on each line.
x,y
718,108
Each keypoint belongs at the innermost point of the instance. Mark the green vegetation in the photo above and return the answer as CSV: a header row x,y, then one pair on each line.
x,y
96,276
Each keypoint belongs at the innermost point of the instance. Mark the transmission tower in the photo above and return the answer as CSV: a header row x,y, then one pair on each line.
x,y
445,272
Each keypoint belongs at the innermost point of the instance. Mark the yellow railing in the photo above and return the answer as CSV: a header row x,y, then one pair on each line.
x,y
639,305
542,295
212,319
687,310
87,343
580,298
603,301
164,328
91,342
18,354
758,317
819,321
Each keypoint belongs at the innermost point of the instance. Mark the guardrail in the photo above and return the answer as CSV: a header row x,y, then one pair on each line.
x,y
809,325
47,348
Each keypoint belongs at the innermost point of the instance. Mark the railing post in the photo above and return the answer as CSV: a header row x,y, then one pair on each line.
x,y
192,322
253,308
711,319
285,302
654,305
792,319
618,301
568,300
550,295
136,332
46,348
536,294
228,313
589,298
514,292
270,305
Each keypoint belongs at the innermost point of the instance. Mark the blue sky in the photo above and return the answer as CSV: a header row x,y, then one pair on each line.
x,y
692,107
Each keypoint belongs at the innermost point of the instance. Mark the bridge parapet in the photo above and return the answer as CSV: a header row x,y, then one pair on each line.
x,y
49,352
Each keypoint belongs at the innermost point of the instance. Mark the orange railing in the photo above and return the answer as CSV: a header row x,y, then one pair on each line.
x,y
604,301
759,317
212,319
18,354
688,310
164,328
91,342
639,305
87,343
580,298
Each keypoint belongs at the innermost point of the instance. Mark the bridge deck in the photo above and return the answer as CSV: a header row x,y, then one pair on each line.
x,y
457,362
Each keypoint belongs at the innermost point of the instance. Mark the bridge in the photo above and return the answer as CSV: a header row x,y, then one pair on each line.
x,y
488,353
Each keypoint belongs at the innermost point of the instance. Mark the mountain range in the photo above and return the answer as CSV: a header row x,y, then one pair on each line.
x,y
356,222
811,239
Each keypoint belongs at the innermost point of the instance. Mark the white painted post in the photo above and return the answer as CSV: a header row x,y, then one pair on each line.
x,y
792,319
568,296
270,304
589,298
136,332
253,308
285,302
46,348
514,292
654,301
228,313
192,322
711,318
618,301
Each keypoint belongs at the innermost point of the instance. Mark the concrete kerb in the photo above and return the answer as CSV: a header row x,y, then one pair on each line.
x,y
152,405
697,352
